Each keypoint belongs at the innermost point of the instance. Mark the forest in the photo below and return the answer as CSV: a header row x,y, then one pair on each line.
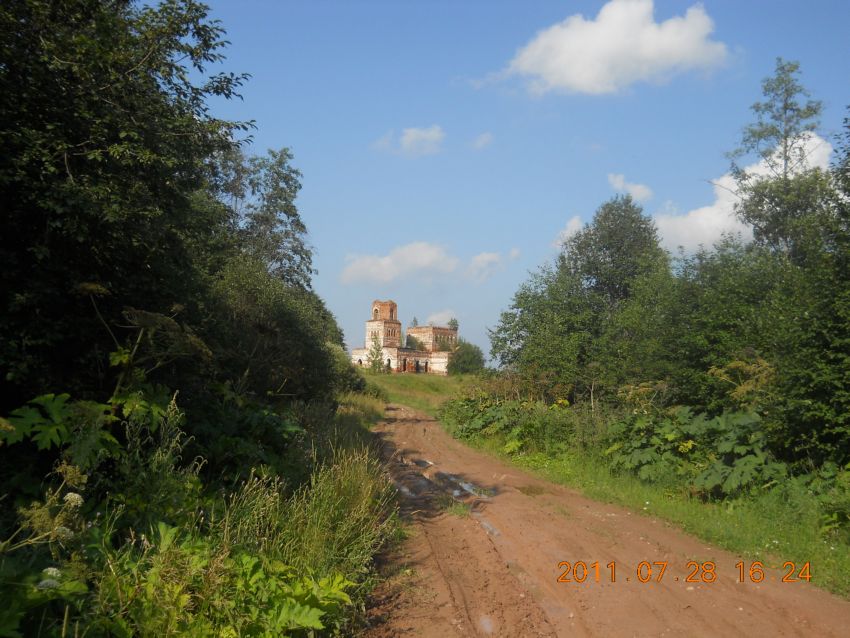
x,y
183,446
722,376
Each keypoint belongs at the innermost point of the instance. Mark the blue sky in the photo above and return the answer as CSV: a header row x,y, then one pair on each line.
x,y
445,145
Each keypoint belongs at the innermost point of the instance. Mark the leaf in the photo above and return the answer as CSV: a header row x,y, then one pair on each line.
x,y
22,420
50,435
292,615
54,406
119,357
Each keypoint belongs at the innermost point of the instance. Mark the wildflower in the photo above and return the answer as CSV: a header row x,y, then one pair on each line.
x,y
63,533
72,499
48,583
51,572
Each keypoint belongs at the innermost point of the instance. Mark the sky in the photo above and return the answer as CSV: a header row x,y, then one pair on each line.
x,y
447,146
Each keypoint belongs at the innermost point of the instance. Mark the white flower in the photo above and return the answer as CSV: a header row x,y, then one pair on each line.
x,y
63,533
72,499
48,583
51,572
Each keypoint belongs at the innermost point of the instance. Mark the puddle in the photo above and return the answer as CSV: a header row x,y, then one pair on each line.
x,y
486,624
488,527
403,489
466,486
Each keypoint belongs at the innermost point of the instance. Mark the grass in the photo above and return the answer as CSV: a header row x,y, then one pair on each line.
x,y
264,541
419,391
358,409
450,505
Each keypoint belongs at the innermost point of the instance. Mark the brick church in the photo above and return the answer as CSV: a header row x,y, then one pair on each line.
x,y
435,343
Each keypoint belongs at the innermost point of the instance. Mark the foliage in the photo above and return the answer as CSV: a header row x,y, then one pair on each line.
x,y
414,343
260,561
722,455
261,191
376,355
153,260
467,358
775,203
553,330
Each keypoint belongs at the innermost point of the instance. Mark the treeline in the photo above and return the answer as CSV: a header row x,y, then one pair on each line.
x,y
723,371
172,457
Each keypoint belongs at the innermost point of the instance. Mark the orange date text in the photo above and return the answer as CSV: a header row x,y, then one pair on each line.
x,y
661,570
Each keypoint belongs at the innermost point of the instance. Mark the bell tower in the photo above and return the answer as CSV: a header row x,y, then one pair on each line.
x,y
383,322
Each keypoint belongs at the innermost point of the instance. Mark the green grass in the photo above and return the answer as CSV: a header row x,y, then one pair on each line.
x,y
450,505
360,409
425,392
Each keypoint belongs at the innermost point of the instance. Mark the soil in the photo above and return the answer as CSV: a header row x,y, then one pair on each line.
x,y
486,540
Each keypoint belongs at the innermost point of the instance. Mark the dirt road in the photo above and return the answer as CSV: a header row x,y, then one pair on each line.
x,y
495,570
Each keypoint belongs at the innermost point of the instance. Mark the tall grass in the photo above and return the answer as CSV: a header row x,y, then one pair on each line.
x,y
262,559
424,392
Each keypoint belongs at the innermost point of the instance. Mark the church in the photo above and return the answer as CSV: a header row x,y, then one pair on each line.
x,y
435,344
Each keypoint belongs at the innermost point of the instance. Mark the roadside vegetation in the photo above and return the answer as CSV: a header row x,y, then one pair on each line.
x,y
710,388
424,392
184,446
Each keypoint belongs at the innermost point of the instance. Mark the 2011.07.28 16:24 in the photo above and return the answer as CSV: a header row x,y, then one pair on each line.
x,y
654,571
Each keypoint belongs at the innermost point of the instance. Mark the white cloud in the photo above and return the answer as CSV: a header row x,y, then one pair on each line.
x,y
413,142
639,192
482,141
422,260
705,225
483,266
440,318
573,226
416,259
421,141
622,45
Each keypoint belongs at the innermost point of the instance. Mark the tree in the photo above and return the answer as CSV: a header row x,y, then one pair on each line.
x,y
414,322
783,188
261,192
555,326
414,343
466,359
106,136
453,323
609,254
376,355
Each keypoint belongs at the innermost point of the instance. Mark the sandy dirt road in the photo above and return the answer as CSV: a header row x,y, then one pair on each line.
x,y
495,572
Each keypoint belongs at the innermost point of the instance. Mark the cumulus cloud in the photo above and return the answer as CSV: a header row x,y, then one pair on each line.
x,y
425,261
482,141
483,266
706,225
440,318
413,142
639,192
415,259
622,45
573,226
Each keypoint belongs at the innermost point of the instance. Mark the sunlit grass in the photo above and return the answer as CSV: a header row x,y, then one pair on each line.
x,y
425,392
